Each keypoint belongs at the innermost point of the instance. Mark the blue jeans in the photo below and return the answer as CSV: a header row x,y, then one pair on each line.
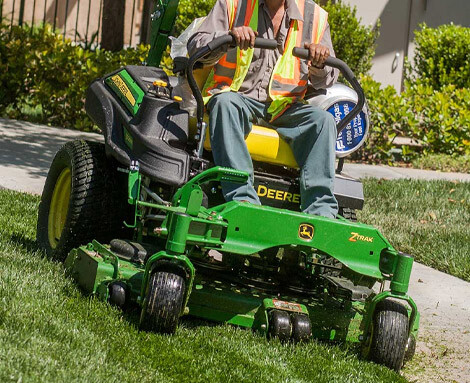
x,y
310,132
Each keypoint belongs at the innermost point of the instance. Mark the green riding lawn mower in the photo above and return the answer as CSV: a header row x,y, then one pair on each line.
x,y
141,222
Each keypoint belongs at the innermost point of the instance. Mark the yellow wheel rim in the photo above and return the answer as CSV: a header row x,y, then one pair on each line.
x,y
59,207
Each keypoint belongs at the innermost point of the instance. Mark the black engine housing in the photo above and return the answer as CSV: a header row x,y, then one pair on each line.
x,y
156,136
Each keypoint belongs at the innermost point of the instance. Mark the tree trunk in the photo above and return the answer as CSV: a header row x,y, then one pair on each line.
x,y
112,32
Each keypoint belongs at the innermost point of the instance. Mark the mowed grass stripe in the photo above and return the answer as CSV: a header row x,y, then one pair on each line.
x,y
427,219
50,332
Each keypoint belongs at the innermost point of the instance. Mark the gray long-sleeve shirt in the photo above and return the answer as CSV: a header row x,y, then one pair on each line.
x,y
256,82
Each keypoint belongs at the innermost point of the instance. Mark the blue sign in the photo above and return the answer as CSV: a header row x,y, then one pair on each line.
x,y
351,137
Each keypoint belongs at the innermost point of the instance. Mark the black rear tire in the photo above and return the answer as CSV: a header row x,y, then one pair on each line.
x,y
95,200
165,302
348,213
389,334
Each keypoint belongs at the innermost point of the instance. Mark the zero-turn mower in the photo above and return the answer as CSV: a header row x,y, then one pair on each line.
x,y
141,220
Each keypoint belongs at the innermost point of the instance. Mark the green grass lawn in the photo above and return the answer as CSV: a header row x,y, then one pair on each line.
x,y
50,332
430,220
443,162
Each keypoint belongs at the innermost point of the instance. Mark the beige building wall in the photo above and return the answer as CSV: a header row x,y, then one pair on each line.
x,y
399,19
88,12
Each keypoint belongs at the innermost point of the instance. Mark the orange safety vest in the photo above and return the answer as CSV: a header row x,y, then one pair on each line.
x,y
289,79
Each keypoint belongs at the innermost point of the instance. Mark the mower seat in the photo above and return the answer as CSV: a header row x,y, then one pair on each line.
x,y
264,144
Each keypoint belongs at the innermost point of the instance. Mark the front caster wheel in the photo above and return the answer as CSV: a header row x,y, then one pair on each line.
x,y
410,348
389,334
301,328
280,325
165,301
117,294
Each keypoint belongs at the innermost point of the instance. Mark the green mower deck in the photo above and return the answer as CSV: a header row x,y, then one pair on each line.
x,y
243,229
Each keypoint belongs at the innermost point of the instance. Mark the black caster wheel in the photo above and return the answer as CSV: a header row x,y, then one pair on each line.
x,y
389,334
301,327
165,302
280,325
410,349
117,294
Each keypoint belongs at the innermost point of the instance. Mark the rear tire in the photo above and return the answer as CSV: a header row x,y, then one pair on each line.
x,y
389,334
165,302
81,200
348,213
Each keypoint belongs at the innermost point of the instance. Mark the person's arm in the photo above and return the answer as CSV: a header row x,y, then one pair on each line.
x,y
325,77
216,24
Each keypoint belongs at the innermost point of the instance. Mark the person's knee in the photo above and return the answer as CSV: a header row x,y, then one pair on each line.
x,y
325,118
326,122
320,121
224,100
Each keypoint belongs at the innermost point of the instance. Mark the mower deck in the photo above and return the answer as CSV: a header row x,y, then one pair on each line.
x,y
338,308
94,267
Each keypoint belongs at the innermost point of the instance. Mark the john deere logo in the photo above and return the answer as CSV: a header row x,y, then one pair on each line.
x,y
306,231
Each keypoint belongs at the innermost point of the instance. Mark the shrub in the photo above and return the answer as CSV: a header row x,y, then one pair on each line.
x,y
442,117
43,73
439,119
442,56
188,10
389,117
353,43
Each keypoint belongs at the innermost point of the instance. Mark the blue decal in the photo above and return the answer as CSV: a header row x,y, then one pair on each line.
x,y
351,136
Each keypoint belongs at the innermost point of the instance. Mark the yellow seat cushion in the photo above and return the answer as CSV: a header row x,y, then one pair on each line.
x,y
265,145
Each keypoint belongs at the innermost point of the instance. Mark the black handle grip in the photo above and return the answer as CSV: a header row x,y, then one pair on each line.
x,y
348,75
230,40
266,43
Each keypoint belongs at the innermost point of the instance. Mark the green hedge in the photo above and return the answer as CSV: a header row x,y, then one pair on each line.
x,y
438,119
442,56
188,10
434,106
43,77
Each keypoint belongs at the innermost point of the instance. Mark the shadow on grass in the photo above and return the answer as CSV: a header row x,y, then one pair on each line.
x,y
25,243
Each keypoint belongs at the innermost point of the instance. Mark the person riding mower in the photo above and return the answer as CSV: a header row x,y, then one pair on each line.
x,y
141,220
269,85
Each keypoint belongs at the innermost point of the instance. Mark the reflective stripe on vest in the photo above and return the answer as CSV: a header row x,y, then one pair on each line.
x,y
230,71
290,75
289,80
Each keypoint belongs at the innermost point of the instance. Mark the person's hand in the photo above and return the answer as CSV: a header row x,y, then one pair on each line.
x,y
317,54
244,37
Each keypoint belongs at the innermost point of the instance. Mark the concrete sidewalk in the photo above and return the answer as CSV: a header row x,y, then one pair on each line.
x,y
26,151
393,173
